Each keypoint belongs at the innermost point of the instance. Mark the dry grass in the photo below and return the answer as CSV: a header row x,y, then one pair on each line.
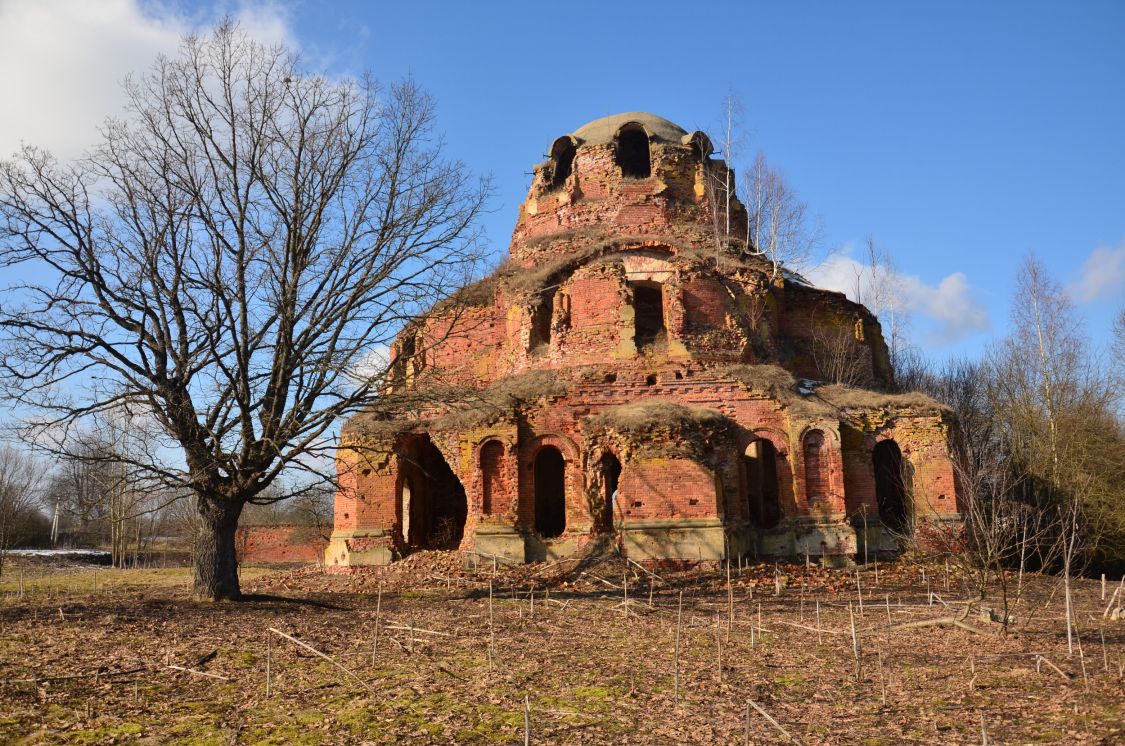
x,y
647,416
826,399
593,670
846,397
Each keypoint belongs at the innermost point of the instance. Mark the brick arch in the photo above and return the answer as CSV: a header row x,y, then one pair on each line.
x,y
822,481
491,455
572,477
603,467
783,470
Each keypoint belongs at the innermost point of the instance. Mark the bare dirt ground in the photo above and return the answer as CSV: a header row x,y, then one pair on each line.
x,y
430,660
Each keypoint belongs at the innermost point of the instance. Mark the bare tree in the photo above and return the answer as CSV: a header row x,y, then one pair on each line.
x,y
1055,406
1118,344
19,476
878,286
238,243
779,226
721,186
838,355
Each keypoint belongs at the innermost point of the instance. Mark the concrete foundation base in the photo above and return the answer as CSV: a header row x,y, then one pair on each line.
x,y
351,549
701,540
504,543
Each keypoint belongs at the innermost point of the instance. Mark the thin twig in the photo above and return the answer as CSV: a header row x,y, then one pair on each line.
x,y
328,658
773,722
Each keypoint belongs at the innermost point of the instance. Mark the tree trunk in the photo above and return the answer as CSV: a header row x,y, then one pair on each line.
x,y
216,562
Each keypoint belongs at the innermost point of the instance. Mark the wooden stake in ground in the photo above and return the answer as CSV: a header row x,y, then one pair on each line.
x,y
679,624
819,635
855,643
859,591
718,651
1105,656
730,608
625,590
269,664
526,721
491,629
882,677
378,615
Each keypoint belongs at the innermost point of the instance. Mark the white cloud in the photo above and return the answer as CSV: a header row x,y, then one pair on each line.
x,y
1102,275
62,61
950,307
373,364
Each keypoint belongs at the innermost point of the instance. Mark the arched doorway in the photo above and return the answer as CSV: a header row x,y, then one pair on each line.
x,y
610,467
433,501
892,488
550,492
759,463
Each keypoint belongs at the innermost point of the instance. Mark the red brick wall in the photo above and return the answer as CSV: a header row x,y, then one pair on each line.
x,y
585,240
667,488
279,544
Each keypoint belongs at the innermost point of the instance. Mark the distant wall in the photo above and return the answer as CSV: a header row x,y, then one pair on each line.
x,y
280,544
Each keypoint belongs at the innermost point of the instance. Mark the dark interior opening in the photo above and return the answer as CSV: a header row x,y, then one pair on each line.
x,y
407,350
760,468
541,319
611,478
433,501
562,155
491,463
550,492
632,152
648,314
891,488
701,146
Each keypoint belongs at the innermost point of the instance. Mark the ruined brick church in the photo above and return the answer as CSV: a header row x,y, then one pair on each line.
x,y
637,376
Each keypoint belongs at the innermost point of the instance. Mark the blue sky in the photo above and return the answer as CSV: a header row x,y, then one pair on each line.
x,y
960,135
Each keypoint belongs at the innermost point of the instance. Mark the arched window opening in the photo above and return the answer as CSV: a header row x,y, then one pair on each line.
x,y
550,492
701,146
632,152
541,319
562,160
401,368
762,494
648,314
816,465
610,467
491,472
892,484
433,501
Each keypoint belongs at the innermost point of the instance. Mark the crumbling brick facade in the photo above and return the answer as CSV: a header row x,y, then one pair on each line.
x,y
636,373
279,545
